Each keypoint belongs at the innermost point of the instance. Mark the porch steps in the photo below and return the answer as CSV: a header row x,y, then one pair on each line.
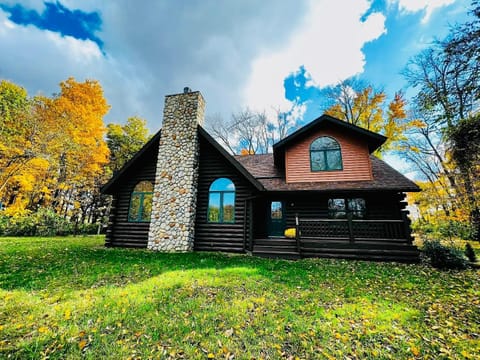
x,y
374,250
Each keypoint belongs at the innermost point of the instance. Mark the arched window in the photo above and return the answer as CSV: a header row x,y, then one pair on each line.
x,y
325,154
141,202
221,201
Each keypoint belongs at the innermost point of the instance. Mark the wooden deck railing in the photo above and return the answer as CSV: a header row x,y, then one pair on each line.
x,y
351,229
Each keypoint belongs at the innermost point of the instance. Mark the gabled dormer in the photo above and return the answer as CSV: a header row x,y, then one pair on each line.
x,y
327,149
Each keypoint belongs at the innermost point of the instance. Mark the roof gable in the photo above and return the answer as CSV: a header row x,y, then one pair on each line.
x,y
109,187
373,140
237,165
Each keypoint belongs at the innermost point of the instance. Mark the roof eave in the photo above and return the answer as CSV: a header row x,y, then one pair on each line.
x,y
340,190
237,165
109,185
105,189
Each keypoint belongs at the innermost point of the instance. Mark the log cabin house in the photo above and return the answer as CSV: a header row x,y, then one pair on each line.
x,y
182,191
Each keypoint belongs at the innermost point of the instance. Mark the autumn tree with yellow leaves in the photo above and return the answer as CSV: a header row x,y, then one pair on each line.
x,y
53,151
445,149
363,106
76,115
23,149
125,140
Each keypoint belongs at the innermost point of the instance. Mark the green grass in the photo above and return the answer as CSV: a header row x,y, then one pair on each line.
x,y
72,298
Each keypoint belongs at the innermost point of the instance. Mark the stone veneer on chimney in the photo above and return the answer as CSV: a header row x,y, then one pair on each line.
x,y
175,193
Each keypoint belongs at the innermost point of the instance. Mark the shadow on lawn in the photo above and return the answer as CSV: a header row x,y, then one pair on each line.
x,y
58,268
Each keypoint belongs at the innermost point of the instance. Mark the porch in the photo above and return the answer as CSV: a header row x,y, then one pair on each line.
x,y
384,240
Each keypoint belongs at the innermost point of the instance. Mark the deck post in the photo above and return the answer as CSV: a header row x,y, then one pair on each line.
x,y
245,215
350,227
250,224
406,227
297,234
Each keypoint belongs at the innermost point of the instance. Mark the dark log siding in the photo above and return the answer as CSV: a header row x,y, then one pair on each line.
x,y
221,237
120,231
208,236
382,205
252,213
391,241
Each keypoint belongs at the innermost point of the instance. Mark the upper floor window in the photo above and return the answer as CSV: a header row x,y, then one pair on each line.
x,y
141,202
325,154
221,201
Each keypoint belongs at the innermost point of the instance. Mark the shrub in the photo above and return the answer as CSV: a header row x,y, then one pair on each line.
x,y
21,226
423,227
4,221
44,222
445,229
444,257
48,223
459,229
470,253
87,229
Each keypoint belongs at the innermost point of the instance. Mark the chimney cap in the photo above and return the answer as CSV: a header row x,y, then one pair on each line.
x,y
187,90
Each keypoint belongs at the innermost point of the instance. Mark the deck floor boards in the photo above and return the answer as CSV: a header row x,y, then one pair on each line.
x,y
374,249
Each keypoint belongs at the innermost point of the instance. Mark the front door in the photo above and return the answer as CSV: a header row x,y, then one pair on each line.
x,y
276,225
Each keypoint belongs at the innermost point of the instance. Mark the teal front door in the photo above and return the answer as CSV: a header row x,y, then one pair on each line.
x,y
276,225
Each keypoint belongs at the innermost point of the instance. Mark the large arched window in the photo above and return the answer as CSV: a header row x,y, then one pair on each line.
x,y
221,201
325,154
141,202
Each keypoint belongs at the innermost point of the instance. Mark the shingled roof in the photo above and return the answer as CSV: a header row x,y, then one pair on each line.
x,y
261,171
152,145
384,177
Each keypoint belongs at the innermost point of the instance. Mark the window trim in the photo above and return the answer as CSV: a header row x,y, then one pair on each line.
x,y
325,151
221,193
140,213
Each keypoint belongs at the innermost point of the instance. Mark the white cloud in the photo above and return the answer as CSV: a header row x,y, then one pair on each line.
x,y
150,50
39,60
427,5
328,43
237,53
82,52
32,54
401,166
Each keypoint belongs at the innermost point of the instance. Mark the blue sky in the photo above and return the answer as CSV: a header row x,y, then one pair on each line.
x,y
57,18
265,55
406,33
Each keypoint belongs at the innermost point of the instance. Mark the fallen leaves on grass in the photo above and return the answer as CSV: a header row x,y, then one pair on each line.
x,y
67,314
194,306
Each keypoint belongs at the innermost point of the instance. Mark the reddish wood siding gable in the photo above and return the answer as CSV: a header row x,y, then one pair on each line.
x,y
355,157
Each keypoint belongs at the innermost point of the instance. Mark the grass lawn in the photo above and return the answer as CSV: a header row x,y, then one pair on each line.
x,y
72,298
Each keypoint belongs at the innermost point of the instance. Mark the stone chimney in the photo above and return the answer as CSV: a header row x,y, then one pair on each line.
x,y
175,193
